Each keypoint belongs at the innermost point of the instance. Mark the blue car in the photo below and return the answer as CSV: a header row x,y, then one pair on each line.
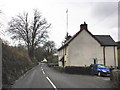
x,y
100,70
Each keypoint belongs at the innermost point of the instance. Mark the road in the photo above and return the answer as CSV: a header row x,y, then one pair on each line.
x,y
42,76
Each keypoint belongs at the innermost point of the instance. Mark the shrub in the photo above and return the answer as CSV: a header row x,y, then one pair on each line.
x,y
72,69
78,70
52,64
60,69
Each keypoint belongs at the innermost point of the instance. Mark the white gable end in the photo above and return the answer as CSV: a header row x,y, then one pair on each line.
x,y
83,49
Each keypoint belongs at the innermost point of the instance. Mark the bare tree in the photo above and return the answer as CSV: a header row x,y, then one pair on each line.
x,y
0,23
1,31
49,48
46,51
32,32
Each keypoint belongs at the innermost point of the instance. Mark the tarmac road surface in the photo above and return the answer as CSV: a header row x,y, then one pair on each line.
x,y
42,76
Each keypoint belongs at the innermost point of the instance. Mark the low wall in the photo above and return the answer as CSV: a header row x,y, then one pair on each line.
x,y
115,78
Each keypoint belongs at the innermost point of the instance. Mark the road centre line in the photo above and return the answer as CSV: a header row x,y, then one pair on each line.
x,y
49,80
51,83
43,72
42,68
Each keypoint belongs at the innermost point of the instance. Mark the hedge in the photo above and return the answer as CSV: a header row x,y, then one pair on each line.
x,y
78,70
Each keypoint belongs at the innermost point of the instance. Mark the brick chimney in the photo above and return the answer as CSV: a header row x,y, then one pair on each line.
x,y
83,26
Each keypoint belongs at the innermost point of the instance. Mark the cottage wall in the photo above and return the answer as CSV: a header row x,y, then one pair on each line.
x,y
110,59
63,53
84,49
59,57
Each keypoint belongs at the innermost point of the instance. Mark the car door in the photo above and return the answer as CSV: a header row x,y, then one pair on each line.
x,y
95,69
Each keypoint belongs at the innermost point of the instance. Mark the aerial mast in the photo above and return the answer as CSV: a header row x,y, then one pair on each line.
x,y
67,21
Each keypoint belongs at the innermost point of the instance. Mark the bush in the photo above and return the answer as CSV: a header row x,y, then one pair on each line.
x,y
72,69
78,70
52,64
60,69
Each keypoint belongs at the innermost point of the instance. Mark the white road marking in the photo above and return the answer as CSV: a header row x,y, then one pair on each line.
x,y
49,80
42,68
51,83
43,72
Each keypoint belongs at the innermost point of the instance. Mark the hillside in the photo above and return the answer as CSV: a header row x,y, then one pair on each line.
x,y
14,64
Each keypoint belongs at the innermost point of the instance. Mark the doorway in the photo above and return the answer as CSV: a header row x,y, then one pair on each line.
x,y
95,60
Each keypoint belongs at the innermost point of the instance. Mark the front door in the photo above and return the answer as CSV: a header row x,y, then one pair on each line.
x,y
95,60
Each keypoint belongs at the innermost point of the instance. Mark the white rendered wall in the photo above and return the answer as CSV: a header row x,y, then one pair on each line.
x,y
83,49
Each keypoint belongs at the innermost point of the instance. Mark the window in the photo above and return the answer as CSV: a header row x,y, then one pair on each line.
x,y
101,66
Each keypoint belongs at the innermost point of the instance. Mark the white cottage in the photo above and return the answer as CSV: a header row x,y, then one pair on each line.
x,y
84,49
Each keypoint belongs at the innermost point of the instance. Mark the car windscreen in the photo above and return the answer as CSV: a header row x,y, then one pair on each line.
x,y
101,66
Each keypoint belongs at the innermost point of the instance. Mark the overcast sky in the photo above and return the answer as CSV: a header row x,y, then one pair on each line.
x,y
100,15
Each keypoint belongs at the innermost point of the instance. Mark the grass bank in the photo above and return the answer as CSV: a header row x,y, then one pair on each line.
x,y
14,64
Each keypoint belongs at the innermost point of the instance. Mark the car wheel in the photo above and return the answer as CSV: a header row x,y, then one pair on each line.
x,y
99,74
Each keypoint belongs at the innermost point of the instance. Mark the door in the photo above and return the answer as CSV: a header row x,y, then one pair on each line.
x,y
95,60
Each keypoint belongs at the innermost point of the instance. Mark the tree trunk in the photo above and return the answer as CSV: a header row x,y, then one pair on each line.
x,y
32,55
31,52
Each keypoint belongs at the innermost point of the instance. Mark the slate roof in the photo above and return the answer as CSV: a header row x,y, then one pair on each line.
x,y
118,44
104,40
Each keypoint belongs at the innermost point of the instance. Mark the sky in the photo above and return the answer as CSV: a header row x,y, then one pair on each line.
x,y
100,15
